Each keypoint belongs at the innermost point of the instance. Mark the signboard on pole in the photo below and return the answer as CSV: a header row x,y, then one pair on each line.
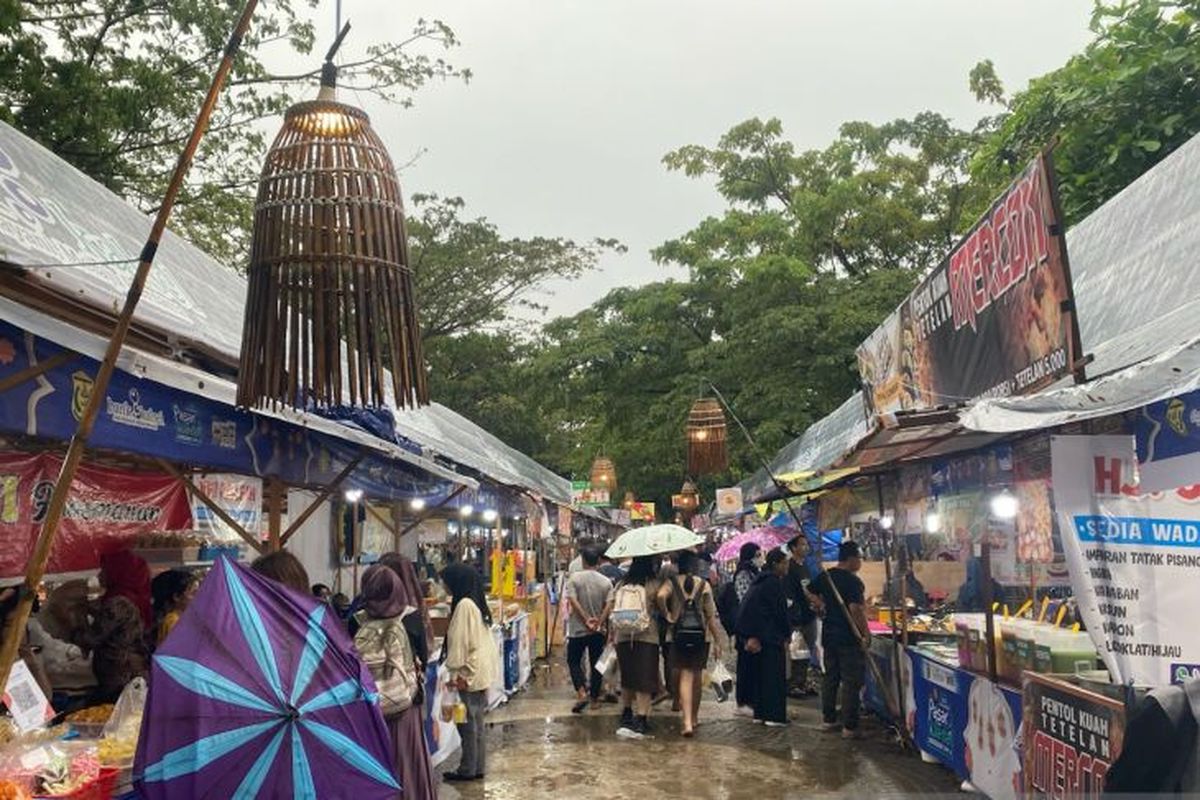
x,y
1072,737
991,320
584,494
729,501
1134,559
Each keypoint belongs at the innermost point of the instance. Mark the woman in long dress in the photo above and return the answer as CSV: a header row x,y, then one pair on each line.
x,y
413,767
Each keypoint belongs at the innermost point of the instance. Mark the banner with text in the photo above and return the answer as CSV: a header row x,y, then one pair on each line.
x,y
106,509
989,320
1134,559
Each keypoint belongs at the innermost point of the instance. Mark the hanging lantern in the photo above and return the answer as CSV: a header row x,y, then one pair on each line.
x,y
630,500
688,499
706,431
604,474
330,309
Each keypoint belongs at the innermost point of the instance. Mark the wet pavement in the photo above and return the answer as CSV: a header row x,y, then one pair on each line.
x,y
538,749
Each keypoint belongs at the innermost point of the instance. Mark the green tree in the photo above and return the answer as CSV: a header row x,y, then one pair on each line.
x,y
113,87
1116,109
468,275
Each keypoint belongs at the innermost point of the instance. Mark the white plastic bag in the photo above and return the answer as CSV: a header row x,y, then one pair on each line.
x,y
722,681
126,718
607,659
798,649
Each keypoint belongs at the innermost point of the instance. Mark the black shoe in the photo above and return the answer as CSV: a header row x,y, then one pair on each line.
x,y
641,726
626,717
611,698
579,707
456,777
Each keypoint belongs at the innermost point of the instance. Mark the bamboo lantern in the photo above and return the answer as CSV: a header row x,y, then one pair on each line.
x,y
706,433
330,309
630,499
604,474
688,499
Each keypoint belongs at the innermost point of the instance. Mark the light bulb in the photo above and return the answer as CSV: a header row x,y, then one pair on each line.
x,y
1005,505
353,495
886,523
417,504
490,515
467,511
933,522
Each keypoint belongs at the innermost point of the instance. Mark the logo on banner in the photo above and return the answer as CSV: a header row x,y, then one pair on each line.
x,y
131,412
81,392
224,433
41,500
941,721
1176,416
187,425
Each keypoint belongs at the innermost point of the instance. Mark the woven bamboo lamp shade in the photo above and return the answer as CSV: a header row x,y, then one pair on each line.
x,y
630,499
604,474
706,435
330,310
688,499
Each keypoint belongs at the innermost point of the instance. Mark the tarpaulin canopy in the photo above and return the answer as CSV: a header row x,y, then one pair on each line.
x,y
1134,267
68,242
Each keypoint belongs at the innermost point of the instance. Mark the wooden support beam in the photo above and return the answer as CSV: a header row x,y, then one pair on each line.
x,y
384,521
321,498
31,372
274,489
200,495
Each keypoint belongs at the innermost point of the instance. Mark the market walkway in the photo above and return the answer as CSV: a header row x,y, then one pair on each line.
x,y
538,749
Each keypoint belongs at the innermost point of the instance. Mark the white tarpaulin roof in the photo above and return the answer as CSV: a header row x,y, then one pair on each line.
x,y
53,218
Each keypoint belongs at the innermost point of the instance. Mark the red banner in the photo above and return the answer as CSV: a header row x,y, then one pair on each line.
x,y
105,509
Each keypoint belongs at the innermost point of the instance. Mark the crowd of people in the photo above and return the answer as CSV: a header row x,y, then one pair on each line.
x,y
671,618
84,651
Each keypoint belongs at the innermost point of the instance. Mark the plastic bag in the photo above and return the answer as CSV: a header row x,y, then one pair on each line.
x,y
453,708
798,649
126,718
722,681
607,659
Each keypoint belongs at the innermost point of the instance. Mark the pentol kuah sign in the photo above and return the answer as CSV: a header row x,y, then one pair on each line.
x,y
991,320
1072,738
1134,558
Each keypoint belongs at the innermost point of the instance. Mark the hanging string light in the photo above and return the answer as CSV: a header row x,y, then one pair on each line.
x,y
330,310
706,438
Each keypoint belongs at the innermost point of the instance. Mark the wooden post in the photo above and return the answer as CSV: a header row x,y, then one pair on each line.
x,y
989,616
35,568
294,524
213,506
31,372
274,514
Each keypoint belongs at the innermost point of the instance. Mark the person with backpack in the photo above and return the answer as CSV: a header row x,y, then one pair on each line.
x,y
469,654
765,629
633,629
391,642
686,602
728,604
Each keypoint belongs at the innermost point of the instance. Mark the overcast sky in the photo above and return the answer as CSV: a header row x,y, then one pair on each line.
x,y
574,102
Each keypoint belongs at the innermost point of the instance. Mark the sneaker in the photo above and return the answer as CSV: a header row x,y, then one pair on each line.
x,y
629,732
641,726
851,735
626,717
773,724
579,707
829,727
743,711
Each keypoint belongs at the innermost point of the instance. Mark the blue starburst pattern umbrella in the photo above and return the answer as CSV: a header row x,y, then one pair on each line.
x,y
258,693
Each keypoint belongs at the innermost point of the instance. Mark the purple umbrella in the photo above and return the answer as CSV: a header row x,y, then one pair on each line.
x,y
258,692
766,538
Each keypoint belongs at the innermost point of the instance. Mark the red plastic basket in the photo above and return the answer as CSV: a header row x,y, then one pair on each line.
x,y
99,789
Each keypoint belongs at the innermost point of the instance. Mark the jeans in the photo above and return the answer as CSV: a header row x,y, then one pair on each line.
x,y
474,749
845,671
593,646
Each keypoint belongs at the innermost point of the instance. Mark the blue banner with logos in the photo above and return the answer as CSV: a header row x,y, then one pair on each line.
x,y
150,419
1168,443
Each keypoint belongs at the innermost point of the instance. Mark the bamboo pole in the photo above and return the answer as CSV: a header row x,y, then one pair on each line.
x,y
35,569
274,514
294,525
208,501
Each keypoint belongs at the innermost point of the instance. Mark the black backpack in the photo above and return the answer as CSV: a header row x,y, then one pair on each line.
x,y
727,605
688,630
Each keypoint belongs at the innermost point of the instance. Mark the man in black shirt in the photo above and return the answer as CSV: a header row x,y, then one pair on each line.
x,y
845,660
801,614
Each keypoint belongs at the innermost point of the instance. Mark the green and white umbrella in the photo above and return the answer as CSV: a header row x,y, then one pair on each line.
x,y
652,540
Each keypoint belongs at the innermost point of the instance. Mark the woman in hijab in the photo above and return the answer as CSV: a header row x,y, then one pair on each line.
x,y
121,620
385,597
470,656
123,574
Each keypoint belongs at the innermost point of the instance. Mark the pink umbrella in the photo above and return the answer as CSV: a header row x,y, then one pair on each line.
x,y
766,538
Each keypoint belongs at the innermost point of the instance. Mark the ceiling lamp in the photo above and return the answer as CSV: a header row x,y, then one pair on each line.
x,y
330,309
706,431
604,474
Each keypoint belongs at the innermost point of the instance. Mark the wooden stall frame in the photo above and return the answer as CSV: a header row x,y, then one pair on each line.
x,y
35,569
213,506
